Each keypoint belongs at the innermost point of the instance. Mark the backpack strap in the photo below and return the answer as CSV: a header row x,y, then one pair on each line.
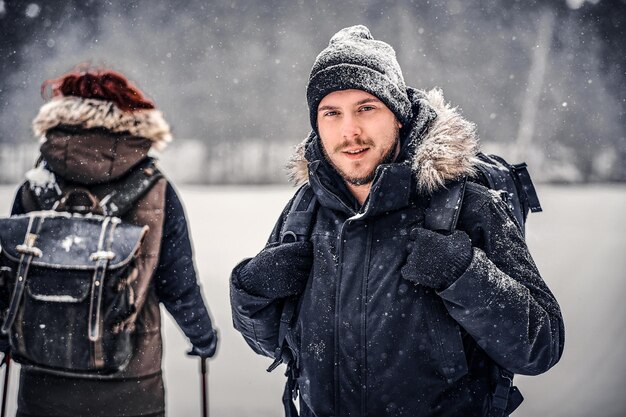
x,y
116,197
297,227
299,221
442,213
101,257
505,398
523,176
514,184
28,251
120,196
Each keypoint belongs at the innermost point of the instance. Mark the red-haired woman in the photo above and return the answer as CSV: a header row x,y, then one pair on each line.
x,y
96,132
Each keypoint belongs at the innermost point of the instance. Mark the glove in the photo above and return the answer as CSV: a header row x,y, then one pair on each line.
x,y
206,350
437,260
278,271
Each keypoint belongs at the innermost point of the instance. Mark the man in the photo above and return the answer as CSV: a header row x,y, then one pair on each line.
x,y
394,319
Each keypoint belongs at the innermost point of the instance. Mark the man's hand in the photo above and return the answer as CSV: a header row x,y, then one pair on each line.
x,y
278,271
206,350
437,260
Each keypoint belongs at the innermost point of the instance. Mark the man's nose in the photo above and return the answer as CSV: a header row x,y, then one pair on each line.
x,y
350,127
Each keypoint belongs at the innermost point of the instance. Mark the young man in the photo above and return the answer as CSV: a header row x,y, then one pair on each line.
x,y
394,319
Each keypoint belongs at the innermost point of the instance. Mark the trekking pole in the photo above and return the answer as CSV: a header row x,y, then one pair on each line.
x,y
7,362
204,370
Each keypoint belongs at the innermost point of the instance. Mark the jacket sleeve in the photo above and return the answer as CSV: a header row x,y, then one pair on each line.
x,y
175,278
18,206
257,318
501,300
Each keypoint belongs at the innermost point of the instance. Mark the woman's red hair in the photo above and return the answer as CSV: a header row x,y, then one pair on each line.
x,y
101,85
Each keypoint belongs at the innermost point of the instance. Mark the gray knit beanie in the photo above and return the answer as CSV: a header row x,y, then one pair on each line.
x,y
355,60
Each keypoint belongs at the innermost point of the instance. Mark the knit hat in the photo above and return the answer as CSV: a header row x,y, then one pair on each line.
x,y
355,60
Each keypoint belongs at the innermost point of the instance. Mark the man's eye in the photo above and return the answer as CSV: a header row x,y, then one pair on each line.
x,y
330,113
367,108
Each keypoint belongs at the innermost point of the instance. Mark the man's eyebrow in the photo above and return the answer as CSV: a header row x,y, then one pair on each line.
x,y
368,100
358,103
326,107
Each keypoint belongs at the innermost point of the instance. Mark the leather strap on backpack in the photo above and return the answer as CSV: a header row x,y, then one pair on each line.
x,y
102,257
28,251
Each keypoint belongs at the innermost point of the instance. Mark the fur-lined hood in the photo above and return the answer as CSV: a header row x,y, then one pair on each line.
x,y
443,144
91,113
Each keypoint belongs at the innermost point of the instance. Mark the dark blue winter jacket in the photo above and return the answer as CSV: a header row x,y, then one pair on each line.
x,y
370,343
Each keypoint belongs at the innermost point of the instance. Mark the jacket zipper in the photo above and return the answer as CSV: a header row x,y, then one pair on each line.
x,y
336,332
364,285
337,294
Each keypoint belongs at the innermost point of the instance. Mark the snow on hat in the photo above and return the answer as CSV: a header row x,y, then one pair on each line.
x,y
355,60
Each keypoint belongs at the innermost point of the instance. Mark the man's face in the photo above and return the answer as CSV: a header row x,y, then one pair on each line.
x,y
358,133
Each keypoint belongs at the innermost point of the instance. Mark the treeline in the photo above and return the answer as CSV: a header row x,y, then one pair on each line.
x,y
543,80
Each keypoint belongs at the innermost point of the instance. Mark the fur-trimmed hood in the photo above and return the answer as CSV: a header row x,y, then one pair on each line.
x,y
442,144
91,113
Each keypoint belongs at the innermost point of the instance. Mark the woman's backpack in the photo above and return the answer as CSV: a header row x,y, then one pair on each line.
x,y
66,277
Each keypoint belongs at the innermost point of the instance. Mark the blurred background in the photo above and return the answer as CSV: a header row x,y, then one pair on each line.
x,y
544,81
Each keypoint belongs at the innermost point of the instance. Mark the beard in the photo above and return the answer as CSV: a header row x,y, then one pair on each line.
x,y
387,158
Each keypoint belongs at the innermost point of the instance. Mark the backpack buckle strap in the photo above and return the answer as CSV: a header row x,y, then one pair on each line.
x,y
500,396
522,174
282,353
28,251
298,224
102,257
96,300
291,391
505,398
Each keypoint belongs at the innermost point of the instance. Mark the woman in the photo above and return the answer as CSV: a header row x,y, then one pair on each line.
x,y
96,133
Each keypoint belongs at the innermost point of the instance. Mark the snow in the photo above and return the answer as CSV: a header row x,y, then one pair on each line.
x,y
69,241
54,299
32,10
578,243
40,177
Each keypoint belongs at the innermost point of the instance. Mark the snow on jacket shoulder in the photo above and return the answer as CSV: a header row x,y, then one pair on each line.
x,y
501,299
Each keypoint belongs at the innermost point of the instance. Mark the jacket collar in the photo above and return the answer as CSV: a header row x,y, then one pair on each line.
x,y
438,146
90,113
391,190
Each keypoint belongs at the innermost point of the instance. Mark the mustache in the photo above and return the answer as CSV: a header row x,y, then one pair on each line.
x,y
364,142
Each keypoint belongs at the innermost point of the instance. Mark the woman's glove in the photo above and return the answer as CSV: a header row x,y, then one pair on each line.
x,y
278,271
206,350
437,260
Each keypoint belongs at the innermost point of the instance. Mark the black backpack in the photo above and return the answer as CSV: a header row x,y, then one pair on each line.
x,y
66,278
514,186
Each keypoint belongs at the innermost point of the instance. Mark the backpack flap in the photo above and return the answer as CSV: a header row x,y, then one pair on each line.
x,y
68,241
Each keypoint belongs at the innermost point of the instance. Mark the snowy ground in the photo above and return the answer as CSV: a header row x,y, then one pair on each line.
x,y
579,243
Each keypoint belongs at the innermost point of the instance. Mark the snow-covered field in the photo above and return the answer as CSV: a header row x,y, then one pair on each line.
x,y
579,243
